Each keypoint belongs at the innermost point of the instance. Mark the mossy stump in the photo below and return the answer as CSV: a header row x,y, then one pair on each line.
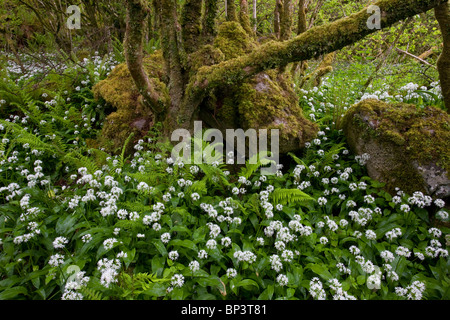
x,y
409,147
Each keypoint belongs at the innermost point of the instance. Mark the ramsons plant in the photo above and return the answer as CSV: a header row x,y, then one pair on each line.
x,y
148,226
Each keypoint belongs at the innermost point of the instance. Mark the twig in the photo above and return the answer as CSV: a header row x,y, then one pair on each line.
x,y
415,57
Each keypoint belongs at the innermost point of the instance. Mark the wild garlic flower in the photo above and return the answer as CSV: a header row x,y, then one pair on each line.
x,y
56,260
60,242
194,266
282,280
231,273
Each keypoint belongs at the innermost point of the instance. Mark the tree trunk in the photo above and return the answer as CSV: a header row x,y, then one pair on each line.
x,y
276,18
231,10
286,20
244,19
209,30
442,14
133,49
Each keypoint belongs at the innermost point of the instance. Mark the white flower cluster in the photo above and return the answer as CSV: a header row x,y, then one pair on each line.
x,y
72,286
339,293
109,271
411,292
154,217
316,289
246,256
362,216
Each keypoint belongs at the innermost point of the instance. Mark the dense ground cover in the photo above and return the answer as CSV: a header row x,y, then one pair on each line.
x,y
78,223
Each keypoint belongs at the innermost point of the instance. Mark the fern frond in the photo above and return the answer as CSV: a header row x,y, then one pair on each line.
x,y
254,164
122,154
212,172
297,159
91,294
285,196
77,159
328,156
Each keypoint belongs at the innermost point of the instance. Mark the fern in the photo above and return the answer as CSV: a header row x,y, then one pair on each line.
x,y
134,206
285,196
328,156
297,159
198,186
212,173
91,294
122,154
77,159
254,164
22,136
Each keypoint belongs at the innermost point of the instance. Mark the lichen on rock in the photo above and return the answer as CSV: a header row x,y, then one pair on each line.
x,y
409,147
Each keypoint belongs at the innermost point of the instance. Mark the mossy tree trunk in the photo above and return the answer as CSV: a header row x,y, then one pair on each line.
x,y
181,38
442,14
231,10
244,18
276,18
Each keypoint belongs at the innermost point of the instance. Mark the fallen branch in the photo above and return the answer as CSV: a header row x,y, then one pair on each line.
x,y
415,57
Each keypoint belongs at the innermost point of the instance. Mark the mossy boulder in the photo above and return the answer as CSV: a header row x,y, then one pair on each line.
x,y
409,147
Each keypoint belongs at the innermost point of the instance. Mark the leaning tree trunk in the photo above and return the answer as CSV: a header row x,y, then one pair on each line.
x,y
187,89
442,14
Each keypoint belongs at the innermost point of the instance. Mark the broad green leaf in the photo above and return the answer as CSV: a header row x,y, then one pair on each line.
x,y
184,243
12,293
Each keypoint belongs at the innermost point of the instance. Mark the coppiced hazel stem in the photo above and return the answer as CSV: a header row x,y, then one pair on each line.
x,y
136,21
442,14
209,30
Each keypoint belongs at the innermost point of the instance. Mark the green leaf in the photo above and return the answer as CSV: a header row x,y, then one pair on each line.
x,y
65,224
12,293
247,284
156,289
268,293
160,247
184,243
321,270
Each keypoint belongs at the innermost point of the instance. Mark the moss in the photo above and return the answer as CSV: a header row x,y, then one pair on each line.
x,y
268,101
207,55
233,40
414,135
